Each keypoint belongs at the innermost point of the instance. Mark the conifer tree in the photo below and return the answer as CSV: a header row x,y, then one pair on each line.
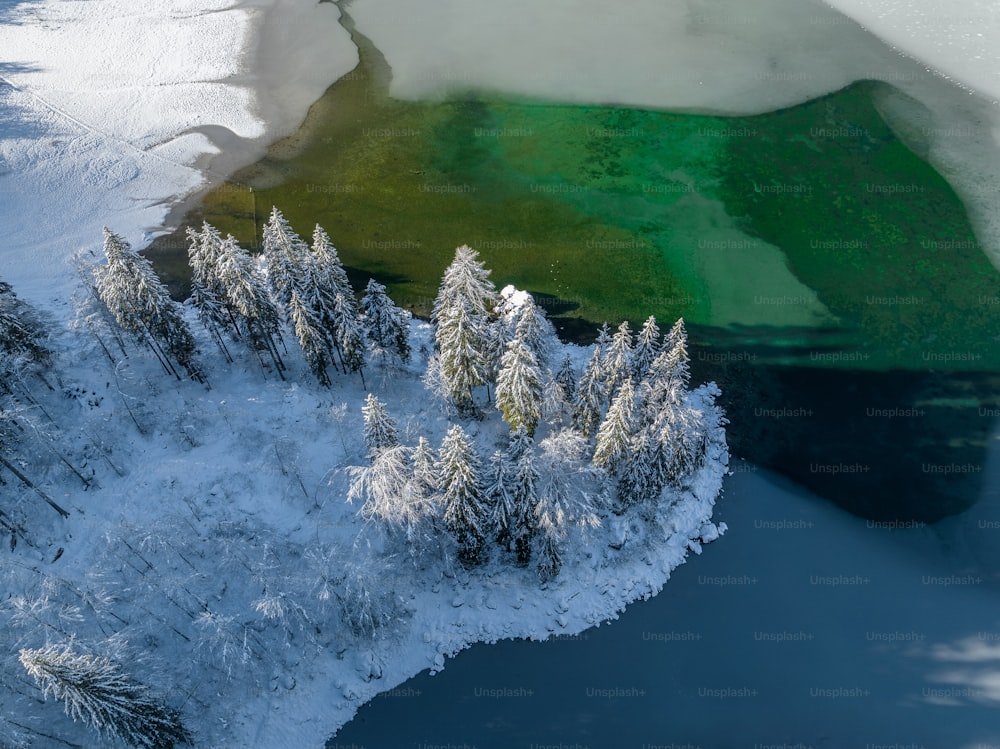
x,y
350,337
638,476
519,387
95,691
466,282
462,360
333,299
534,329
587,404
615,434
603,341
387,487
569,492
257,317
566,378
500,500
678,358
140,304
462,317
425,475
386,326
285,256
647,347
311,338
524,493
380,428
333,275
498,334
465,514
207,293
617,361
21,331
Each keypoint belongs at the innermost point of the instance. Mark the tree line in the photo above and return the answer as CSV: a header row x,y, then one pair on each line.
x,y
252,301
580,444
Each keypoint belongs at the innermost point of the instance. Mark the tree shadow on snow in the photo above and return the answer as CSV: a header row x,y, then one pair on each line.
x,y
12,11
16,121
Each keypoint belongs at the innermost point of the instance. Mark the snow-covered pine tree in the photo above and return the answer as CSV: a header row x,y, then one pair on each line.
x,y
499,333
21,331
387,488
570,492
462,357
682,431
462,316
519,386
257,317
603,341
566,378
615,434
285,257
465,514
639,475
590,395
386,326
500,500
425,477
551,554
311,338
97,692
617,363
330,267
535,330
647,346
207,294
350,336
329,293
380,428
524,493
675,346
466,282
133,293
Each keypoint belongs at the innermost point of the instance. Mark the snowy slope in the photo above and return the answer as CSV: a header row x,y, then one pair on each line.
x,y
102,104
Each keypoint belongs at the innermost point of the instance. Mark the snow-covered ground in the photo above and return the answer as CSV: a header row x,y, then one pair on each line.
x,y
217,541
112,111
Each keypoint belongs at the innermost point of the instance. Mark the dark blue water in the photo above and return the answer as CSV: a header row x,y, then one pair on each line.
x,y
802,627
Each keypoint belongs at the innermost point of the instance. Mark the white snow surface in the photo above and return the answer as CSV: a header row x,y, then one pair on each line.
x,y
110,108
236,494
959,39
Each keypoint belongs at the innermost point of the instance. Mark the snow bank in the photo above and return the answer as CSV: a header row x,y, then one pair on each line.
x,y
110,109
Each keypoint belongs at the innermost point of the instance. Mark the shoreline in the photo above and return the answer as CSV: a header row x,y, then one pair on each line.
x,y
270,59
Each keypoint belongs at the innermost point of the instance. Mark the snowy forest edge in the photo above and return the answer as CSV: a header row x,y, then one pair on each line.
x,y
206,516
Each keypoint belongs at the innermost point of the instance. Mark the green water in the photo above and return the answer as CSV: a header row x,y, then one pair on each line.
x,y
828,274
809,229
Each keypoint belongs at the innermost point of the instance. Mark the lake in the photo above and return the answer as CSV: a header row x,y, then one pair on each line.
x,y
833,285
